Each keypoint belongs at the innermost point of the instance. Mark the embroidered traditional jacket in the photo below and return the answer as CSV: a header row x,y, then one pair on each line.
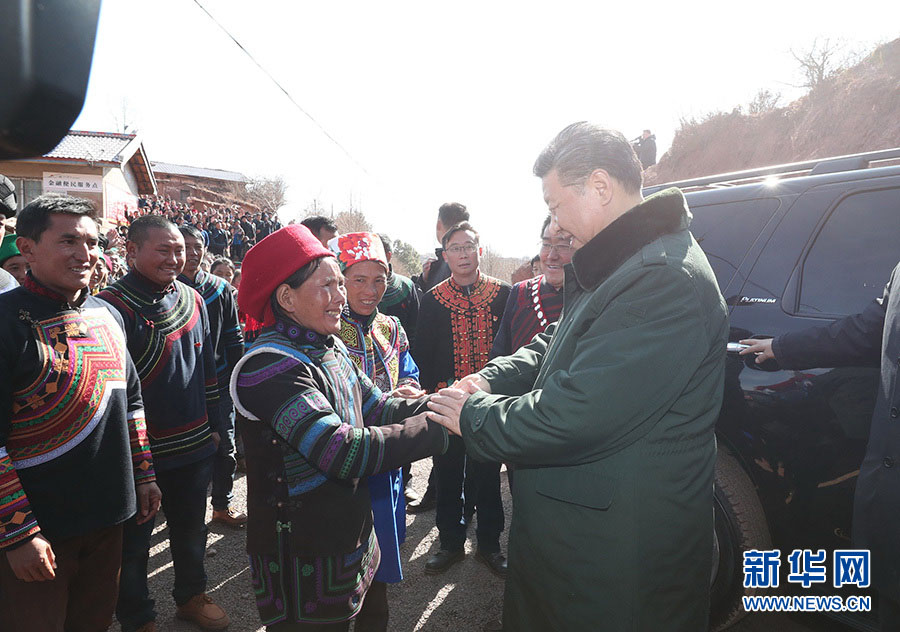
x,y
168,338
461,323
378,347
532,306
224,324
72,436
314,430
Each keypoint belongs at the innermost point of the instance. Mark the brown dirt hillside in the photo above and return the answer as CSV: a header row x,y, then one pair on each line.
x,y
857,110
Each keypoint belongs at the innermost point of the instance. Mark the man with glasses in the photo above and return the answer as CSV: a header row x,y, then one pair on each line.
x,y
461,316
535,303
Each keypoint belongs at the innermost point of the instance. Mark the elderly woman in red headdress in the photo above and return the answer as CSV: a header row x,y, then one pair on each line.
x,y
314,429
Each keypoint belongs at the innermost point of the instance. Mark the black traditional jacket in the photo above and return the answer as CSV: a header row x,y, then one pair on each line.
x,y
314,429
73,440
461,323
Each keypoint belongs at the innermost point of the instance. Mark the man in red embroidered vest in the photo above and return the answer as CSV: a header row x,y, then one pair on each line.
x,y
462,316
535,303
73,441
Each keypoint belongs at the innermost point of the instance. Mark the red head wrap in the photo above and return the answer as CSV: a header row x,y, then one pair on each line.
x,y
270,262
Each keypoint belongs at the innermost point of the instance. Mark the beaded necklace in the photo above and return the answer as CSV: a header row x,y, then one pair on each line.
x,y
536,299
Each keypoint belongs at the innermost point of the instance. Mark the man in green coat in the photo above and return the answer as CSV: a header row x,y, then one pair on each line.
x,y
609,415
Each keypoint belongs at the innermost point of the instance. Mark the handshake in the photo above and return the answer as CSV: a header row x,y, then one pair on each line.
x,y
446,405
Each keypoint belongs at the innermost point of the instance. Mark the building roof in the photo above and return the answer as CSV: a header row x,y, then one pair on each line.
x,y
168,168
107,148
92,147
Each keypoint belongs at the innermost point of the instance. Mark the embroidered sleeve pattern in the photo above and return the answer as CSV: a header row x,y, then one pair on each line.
x,y
308,422
141,458
17,522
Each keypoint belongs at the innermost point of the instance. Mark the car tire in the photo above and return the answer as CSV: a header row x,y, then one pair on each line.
x,y
740,525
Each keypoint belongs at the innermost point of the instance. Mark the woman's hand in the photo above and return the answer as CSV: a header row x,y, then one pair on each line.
x,y
407,392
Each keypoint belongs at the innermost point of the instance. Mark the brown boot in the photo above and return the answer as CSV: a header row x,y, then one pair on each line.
x,y
150,626
231,517
202,611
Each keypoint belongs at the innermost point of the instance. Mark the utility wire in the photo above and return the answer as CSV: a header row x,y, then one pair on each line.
x,y
280,87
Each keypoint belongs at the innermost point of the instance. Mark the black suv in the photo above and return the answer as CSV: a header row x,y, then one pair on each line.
x,y
792,246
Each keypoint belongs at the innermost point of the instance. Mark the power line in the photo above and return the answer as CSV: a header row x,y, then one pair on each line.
x,y
280,87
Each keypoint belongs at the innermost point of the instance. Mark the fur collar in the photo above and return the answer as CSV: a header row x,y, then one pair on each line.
x,y
660,214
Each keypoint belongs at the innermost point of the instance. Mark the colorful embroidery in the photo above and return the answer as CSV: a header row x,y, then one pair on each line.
x,y
83,358
375,347
471,322
169,326
16,519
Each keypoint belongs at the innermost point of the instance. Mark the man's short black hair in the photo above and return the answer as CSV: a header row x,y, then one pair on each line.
x,y
535,259
8,202
35,218
190,231
457,228
545,225
386,242
318,222
141,227
452,213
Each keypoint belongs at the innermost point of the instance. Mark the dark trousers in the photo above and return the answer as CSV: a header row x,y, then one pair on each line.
x,y
81,598
184,503
372,617
225,460
453,472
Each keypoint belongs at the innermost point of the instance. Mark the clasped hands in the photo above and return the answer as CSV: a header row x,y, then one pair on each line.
x,y
446,405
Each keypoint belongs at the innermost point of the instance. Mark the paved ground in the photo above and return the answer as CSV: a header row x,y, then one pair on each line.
x,y
461,600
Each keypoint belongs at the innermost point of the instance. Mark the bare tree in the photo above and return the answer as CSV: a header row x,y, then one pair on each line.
x,y
764,101
820,62
497,266
268,194
124,117
352,221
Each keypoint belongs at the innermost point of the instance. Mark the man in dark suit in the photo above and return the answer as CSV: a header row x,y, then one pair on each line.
x,y
871,338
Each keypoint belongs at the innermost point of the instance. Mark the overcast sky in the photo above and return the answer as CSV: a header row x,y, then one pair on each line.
x,y
437,103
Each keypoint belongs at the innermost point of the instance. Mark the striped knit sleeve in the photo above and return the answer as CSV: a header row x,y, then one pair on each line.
x,y
210,378
17,522
141,457
283,392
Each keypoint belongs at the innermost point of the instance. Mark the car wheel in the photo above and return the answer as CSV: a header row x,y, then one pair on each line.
x,y
740,525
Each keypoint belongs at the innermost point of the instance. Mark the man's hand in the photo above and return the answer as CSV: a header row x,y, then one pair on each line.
x,y
446,406
472,383
217,438
148,496
34,561
762,349
115,239
407,392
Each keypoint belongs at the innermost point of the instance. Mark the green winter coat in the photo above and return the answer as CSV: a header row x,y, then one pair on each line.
x,y
608,418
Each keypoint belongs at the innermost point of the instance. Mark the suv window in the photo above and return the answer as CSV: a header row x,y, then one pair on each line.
x,y
863,229
726,232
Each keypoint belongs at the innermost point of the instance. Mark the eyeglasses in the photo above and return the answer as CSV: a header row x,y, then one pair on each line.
x,y
561,249
462,248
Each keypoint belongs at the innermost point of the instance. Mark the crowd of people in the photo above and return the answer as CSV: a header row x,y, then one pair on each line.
x,y
126,365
